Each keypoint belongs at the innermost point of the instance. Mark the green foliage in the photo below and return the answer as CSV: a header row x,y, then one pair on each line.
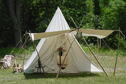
x,y
105,51
89,17
6,30
15,51
93,14
110,15
121,43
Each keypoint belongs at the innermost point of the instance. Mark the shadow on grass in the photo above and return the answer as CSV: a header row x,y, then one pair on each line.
x,y
52,75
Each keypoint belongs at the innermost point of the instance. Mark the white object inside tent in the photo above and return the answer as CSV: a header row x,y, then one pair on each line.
x,y
76,60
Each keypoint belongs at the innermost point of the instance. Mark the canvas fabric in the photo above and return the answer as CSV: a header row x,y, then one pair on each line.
x,y
76,59
96,33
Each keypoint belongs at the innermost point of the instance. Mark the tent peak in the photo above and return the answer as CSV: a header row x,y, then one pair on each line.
x,y
58,8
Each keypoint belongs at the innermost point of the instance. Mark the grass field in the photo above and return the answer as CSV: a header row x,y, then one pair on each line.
x,y
7,77
106,58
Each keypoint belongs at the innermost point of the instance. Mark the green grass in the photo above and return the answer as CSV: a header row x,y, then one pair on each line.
x,y
105,51
16,51
106,58
7,77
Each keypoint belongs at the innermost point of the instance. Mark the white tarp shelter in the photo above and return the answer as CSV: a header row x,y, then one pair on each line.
x,y
76,60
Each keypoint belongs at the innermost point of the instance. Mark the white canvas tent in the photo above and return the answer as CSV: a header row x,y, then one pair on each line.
x,y
75,59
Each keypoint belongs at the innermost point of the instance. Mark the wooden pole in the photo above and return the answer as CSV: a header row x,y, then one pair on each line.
x,y
74,22
64,58
38,55
115,65
22,47
39,58
114,72
96,58
24,42
100,43
124,37
97,43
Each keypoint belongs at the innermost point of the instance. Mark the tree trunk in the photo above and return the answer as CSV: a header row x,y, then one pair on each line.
x,y
97,13
15,13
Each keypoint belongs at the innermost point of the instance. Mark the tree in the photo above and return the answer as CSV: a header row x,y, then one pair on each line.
x,y
6,29
15,14
97,13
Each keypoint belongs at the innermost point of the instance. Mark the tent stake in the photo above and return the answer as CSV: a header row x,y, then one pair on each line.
x,y
96,58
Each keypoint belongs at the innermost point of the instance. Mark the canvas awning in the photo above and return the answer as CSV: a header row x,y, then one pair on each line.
x,y
85,32
36,36
96,33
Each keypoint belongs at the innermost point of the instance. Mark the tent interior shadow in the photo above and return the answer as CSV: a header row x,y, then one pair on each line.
x,y
53,75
